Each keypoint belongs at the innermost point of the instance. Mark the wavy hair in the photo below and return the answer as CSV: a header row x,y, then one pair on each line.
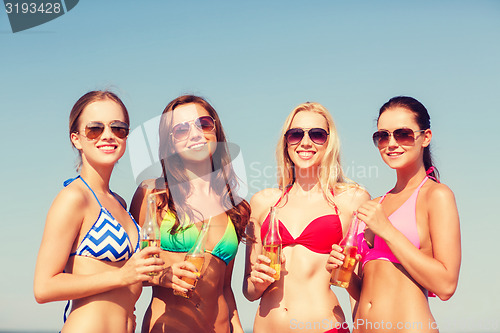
x,y
224,180
330,173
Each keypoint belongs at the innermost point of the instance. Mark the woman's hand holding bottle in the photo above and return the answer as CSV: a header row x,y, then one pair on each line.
x,y
262,273
141,266
181,277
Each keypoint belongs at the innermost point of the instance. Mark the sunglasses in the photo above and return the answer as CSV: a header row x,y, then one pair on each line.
x,y
403,136
94,129
206,124
317,135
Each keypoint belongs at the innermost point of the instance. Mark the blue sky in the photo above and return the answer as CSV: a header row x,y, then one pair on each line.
x,y
255,61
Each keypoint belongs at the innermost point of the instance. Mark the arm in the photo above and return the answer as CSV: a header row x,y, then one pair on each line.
x,y
437,272
172,272
258,274
234,319
62,227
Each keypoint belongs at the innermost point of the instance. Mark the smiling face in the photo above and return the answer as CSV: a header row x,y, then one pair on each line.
x,y
107,149
199,145
397,155
306,153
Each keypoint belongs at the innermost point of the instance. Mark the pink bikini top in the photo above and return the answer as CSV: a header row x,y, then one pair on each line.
x,y
319,235
404,219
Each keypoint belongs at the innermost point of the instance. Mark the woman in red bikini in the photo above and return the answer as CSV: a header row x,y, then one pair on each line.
x,y
411,245
315,204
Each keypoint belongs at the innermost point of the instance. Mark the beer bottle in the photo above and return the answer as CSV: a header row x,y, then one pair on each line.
x,y
341,276
196,256
150,231
272,243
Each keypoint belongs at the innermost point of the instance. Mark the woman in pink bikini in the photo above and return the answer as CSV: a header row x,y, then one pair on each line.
x,y
411,245
315,203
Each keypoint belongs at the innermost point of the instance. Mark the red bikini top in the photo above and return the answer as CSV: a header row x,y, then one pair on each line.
x,y
319,235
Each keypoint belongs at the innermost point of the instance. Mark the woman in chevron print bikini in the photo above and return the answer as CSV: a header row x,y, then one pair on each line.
x,y
89,247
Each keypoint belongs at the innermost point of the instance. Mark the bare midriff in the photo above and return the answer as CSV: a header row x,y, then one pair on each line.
x,y
111,311
205,311
391,301
302,299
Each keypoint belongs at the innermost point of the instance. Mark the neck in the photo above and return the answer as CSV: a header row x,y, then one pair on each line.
x,y
97,178
200,184
306,180
409,177
199,170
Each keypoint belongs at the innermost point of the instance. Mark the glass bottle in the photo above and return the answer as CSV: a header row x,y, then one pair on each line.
x,y
150,231
272,243
196,256
341,276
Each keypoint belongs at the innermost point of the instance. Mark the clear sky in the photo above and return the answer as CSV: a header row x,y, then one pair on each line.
x,y
255,61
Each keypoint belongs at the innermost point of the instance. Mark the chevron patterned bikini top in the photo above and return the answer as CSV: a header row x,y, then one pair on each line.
x,y
106,240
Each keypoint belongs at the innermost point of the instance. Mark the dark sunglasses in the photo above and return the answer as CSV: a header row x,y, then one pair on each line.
x,y
206,124
403,136
94,129
317,135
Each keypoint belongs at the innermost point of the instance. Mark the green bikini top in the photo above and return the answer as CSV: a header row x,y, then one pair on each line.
x,y
184,239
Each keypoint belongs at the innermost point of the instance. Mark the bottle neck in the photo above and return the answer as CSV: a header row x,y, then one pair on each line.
x,y
273,236
351,236
199,246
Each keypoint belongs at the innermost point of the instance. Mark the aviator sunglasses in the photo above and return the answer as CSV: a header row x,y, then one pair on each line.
x,y
94,129
206,124
317,135
403,136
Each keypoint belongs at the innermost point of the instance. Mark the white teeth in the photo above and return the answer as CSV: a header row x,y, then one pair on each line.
x,y
199,145
306,154
107,147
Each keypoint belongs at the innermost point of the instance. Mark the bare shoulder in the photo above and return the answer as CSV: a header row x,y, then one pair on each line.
x,y
438,193
265,197
149,184
351,195
73,196
137,205
144,188
70,204
262,200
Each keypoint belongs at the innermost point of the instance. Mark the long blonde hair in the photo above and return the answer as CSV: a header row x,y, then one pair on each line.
x,y
330,175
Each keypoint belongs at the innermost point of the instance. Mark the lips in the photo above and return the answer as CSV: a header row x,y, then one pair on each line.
x,y
395,154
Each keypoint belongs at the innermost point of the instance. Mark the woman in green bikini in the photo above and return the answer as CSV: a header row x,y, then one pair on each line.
x,y
199,183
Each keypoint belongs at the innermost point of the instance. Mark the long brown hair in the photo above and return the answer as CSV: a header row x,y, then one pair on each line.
x,y
224,180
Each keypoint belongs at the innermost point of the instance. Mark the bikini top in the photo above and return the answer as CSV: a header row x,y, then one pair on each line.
x,y
185,238
318,236
404,219
106,240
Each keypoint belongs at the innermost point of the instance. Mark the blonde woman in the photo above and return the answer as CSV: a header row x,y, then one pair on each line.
x,y
315,202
